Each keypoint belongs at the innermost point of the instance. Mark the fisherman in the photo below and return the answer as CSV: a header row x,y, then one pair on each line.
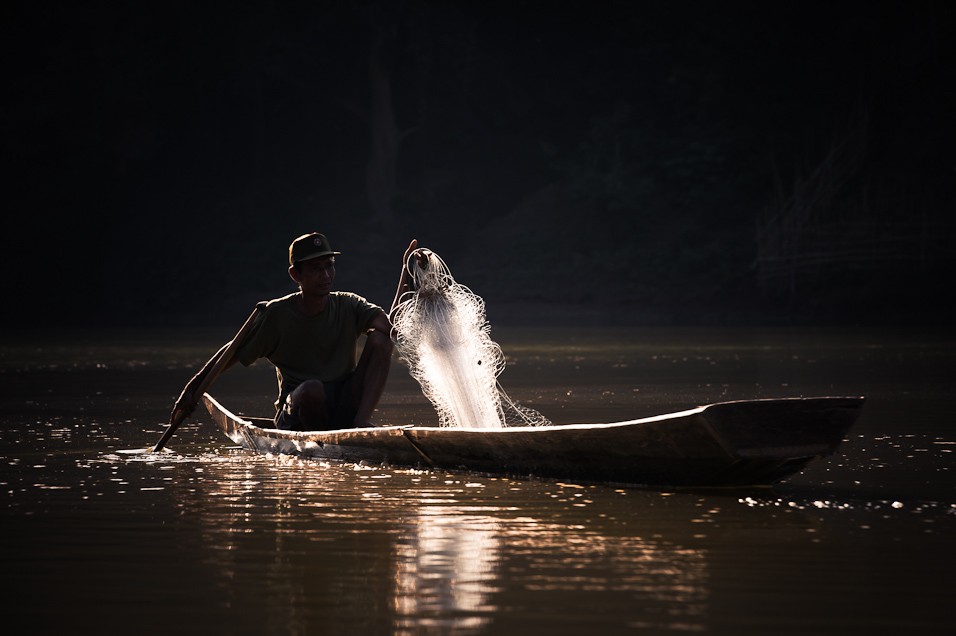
x,y
311,337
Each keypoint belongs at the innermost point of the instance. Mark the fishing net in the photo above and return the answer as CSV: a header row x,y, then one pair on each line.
x,y
444,337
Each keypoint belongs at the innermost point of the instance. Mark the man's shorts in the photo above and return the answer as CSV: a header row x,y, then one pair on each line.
x,y
338,401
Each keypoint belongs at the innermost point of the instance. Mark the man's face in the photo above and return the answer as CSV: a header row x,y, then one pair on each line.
x,y
316,275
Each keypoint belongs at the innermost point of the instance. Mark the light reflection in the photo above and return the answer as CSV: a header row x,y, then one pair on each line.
x,y
431,552
445,571
454,569
454,554
652,569
439,553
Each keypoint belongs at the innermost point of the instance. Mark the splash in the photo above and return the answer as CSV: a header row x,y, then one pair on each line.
x,y
444,337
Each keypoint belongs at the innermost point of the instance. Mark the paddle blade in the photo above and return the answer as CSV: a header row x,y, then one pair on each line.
x,y
140,451
175,420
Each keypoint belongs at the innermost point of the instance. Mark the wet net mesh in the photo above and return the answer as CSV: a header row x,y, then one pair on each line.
x,y
443,336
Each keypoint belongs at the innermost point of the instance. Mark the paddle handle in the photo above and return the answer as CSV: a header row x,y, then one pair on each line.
x,y
225,357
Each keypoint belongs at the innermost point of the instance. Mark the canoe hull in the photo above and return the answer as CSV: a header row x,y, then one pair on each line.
x,y
728,444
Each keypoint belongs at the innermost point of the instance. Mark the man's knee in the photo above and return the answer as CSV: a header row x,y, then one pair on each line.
x,y
308,402
308,391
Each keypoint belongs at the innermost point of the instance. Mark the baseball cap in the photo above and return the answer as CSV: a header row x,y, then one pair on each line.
x,y
308,246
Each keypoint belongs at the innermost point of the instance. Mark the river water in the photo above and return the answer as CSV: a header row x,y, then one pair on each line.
x,y
207,538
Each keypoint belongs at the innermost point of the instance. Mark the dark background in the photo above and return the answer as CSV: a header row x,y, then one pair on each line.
x,y
602,162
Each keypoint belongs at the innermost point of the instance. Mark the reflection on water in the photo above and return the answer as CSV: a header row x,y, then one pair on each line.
x,y
444,553
646,572
99,540
448,569
434,549
445,572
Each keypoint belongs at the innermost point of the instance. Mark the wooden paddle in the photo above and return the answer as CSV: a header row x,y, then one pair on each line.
x,y
225,357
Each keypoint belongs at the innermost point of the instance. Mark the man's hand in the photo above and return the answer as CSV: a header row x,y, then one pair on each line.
x,y
185,404
408,252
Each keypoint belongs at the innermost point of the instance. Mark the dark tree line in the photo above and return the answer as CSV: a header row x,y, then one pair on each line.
x,y
666,161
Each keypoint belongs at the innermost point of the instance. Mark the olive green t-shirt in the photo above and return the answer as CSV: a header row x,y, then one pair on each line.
x,y
302,347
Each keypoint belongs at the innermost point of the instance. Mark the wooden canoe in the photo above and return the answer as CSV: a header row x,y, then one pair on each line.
x,y
727,444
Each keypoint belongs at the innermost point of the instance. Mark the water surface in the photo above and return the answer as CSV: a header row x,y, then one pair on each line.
x,y
207,538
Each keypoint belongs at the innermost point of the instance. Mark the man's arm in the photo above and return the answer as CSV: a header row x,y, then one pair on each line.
x,y
216,365
381,323
405,279
377,356
188,399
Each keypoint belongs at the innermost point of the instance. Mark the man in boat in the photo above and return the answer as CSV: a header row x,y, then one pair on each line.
x,y
311,337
